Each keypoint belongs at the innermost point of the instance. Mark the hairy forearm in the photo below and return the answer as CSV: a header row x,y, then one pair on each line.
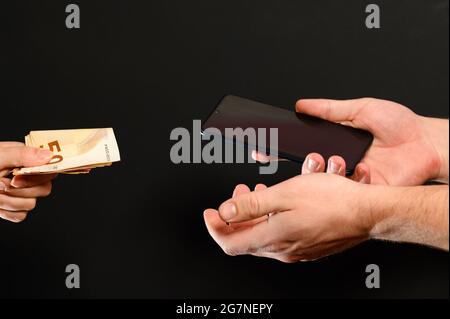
x,y
411,214
438,132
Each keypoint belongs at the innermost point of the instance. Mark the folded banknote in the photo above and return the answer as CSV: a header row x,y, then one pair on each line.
x,y
75,151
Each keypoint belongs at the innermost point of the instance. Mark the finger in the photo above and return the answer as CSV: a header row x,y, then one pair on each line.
x,y
260,187
253,205
240,189
23,156
9,144
15,217
214,223
314,163
237,242
216,226
336,165
24,181
332,110
263,158
41,190
362,174
15,204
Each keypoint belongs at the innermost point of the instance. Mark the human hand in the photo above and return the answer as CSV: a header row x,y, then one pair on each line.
x,y
303,218
18,195
407,149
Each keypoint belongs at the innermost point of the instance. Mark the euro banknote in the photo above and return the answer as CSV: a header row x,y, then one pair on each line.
x,y
75,151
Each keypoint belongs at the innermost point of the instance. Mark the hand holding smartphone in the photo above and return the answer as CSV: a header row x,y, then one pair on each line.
x,y
298,134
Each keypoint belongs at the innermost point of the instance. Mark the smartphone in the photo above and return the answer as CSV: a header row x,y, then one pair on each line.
x,y
298,134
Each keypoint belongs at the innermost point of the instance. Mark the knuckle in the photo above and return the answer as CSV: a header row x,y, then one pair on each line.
x,y
328,109
253,207
365,101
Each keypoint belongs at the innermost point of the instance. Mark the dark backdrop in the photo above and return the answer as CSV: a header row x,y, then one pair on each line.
x,y
146,67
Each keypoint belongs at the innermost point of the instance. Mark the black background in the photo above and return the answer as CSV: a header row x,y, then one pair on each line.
x,y
145,67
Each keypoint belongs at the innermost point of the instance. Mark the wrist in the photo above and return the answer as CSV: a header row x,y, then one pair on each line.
x,y
377,209
369,209
416,214
437,134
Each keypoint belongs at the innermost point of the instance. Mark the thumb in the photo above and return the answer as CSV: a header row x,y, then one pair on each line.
x,y
332,110
23,156
252,205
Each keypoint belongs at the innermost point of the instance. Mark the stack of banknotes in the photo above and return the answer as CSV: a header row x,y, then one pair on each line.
x,y
75,151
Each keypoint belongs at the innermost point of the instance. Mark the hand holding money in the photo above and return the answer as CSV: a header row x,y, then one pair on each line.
x,y
74,151
45,154
18,195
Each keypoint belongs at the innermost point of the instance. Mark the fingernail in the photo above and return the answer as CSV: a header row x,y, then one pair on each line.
x,y
13,183
311,165
2,187
333,167
254,155
44,154
228,211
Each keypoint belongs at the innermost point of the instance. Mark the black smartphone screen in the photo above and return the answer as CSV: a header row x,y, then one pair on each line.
x,y
298,134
